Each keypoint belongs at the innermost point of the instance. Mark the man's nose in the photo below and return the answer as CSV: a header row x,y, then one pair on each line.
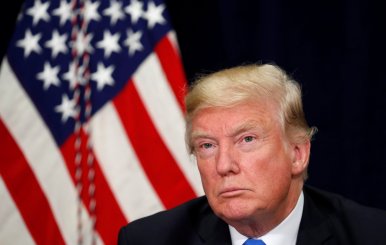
x,y
227,160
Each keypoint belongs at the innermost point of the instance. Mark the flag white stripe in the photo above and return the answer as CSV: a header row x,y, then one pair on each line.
x,y
174,41
161,103
12,226
32,136
121,166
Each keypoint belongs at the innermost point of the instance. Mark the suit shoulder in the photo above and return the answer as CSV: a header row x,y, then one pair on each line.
x,y
159,225
335,203
180,212
346,219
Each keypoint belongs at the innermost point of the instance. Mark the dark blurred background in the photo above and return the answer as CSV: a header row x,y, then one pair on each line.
x,y
335,49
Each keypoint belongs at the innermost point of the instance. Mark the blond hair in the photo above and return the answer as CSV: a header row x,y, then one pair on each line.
x,y
233,86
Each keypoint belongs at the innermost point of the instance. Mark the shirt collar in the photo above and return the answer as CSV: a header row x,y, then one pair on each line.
x,y
284,233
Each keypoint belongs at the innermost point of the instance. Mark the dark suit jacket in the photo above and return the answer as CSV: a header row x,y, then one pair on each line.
x,y
327,219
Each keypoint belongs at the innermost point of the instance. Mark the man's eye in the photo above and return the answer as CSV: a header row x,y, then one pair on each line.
x,y
206,145
248,139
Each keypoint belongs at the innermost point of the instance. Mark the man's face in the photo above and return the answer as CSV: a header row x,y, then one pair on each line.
x,y
245,162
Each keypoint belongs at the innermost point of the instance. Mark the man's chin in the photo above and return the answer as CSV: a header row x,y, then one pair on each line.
x,y
234,211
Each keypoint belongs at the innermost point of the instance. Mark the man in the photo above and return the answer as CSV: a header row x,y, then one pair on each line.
x,y
247,130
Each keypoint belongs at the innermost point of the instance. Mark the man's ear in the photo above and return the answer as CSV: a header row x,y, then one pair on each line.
x,y
301,155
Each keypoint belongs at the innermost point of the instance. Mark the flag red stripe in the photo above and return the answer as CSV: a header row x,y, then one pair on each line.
x,y
159,165
26,192
172,66
109,215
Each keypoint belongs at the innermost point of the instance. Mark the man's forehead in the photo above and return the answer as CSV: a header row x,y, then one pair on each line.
x,y
228,129
252,114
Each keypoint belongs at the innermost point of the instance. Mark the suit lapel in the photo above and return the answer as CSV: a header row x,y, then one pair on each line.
x,y
211,229
315,226
316,236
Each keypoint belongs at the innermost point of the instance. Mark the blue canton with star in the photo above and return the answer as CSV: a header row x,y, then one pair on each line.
x,y
115,35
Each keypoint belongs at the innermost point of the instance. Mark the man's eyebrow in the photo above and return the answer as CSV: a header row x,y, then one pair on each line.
x,y
199,134
248,125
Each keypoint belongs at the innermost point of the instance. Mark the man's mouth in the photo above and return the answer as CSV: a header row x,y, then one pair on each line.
x,y
232,192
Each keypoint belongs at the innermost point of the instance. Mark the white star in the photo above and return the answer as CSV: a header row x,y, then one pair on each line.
x,y
91,11
74,75
115,12
30,43
57,43
134,10
67,108
64,12
109,43
133,41
154,14
70,75
39,11
82,43
103,76
49,76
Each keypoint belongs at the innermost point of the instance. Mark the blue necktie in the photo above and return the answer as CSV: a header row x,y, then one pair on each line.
x,y
251,241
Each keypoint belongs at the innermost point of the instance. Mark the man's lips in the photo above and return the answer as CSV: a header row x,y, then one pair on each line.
x,y
232,191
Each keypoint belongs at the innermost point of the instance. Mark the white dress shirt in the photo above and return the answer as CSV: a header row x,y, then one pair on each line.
x,y
284,233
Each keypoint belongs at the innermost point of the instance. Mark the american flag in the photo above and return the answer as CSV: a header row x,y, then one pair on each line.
x,y
91,121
